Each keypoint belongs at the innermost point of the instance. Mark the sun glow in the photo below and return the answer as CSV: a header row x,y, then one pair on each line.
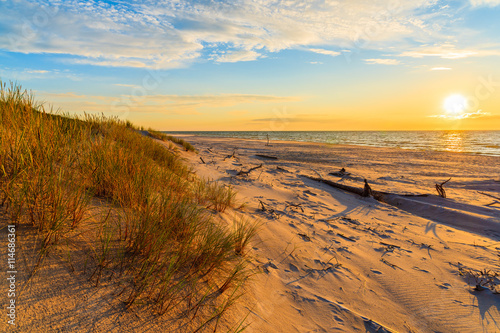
x,y
455,105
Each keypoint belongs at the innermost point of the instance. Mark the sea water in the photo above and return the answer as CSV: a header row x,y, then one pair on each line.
x,y
474,142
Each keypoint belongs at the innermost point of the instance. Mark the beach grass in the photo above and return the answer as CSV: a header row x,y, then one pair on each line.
x,y
165,137
152,223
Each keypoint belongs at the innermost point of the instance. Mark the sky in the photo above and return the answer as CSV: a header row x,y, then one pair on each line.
x,y
258,65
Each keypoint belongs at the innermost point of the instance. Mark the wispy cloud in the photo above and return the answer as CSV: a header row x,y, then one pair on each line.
x,y
487,3
325,52
441,69
448,51
238,56
382,61
37,71
471,115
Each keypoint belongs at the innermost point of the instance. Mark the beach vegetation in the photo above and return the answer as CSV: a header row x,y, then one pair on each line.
x,y
151,225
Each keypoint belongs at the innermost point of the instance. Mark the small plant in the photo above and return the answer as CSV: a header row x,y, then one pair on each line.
x,y
485,279
244,231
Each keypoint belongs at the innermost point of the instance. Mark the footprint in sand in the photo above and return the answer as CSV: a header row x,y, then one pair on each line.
x,y
293,268
376,272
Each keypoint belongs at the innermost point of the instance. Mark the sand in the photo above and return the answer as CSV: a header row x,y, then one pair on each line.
x,y
326,260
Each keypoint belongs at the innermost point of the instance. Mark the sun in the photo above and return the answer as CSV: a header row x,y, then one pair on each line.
x,y
455,104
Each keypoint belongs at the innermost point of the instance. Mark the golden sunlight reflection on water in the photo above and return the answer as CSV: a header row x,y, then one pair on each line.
x,y
453,141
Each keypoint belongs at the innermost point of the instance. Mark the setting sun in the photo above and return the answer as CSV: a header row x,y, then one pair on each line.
x,y
455,105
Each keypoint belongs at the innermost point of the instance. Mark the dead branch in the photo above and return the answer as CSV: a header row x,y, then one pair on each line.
x,y
202,160
307,238
390,246
241,172
367,190
267,156
316,172
232,155
295,206
389,264
340,173
282,169
346,238
440,189
488,195
267,144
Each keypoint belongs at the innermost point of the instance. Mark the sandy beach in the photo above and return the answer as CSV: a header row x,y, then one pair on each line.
x,y
325,260
332,261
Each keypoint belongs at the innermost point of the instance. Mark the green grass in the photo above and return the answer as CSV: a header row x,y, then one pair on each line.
x,y
164,137
150,220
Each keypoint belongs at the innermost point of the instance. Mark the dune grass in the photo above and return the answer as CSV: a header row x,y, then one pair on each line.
x,y
164,137
157,234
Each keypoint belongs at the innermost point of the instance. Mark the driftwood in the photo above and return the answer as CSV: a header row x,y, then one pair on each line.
x,y
267,156
320,176
202,160
367,190
295,206
488,195
267,144
341,173
231,156
440,189
282,169
359,191
241,172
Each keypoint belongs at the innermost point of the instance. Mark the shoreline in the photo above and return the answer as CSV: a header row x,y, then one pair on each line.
x,y
264,139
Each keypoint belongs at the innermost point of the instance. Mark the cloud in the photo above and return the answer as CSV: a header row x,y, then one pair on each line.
x,y
237,56
37,71
448,51
487,3
441,69
382,61
471,115
174,34
325,52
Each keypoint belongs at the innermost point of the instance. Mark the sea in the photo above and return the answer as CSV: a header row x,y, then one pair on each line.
x,y
472,142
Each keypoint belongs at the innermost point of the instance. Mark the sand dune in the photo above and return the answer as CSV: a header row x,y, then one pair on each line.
x,y
325,260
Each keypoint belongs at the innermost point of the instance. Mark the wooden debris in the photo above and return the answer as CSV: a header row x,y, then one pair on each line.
x,y
320,176
389,264
295,206
307,238
390,246
440,189
241,172
267,156
202,160
232,155
489,195
267,144
367,190
345,237
282,169
341,173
